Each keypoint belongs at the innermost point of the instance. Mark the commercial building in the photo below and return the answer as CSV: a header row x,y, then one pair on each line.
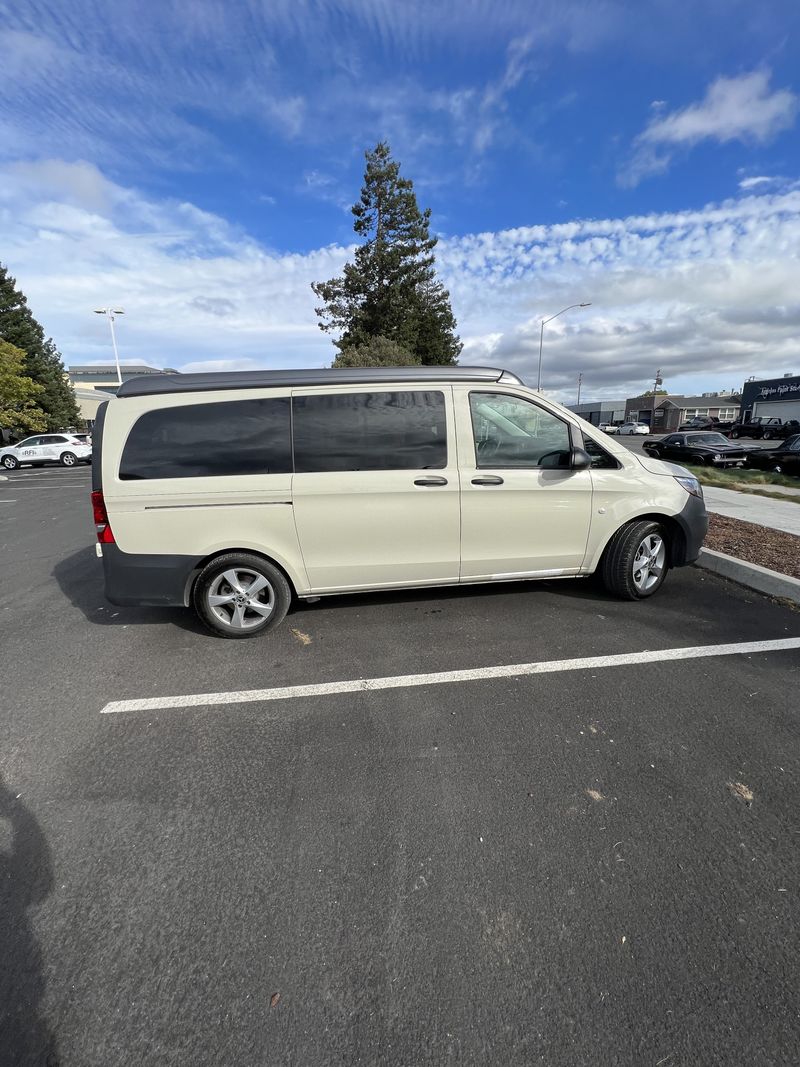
x,y
600,411
104,375
673,409
772,397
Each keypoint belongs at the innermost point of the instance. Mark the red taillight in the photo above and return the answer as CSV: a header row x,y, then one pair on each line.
x,y
101,523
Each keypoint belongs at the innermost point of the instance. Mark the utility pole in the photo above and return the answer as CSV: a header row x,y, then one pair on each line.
x,y
580,382
541,337
658,380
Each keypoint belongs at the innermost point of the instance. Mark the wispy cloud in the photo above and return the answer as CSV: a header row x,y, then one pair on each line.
x,y
709,296
742,108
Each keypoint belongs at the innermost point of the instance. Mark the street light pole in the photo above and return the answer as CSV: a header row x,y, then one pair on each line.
x,y
541,336
580,383
110,313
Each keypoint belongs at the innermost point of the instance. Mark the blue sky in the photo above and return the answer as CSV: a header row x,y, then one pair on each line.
x,y
194,162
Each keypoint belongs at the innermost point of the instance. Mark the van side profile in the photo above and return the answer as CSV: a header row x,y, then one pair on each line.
x,y
236,492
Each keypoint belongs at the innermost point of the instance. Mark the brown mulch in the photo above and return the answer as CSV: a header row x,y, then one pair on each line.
x,y
757,544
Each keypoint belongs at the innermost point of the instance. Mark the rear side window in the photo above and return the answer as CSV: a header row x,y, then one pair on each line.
x,y
210,440
369,432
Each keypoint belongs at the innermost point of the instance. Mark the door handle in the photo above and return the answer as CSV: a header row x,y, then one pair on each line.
x,y
488,479
432,480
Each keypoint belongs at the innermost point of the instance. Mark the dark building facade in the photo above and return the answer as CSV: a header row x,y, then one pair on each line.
x,y
772,397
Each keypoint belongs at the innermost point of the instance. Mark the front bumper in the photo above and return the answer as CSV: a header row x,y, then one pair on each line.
x,y
693,521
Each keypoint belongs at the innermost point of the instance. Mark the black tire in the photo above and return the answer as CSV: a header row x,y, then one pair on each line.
x,y
242,613
11,463
777,469
617,564
767,435
735,435
68,459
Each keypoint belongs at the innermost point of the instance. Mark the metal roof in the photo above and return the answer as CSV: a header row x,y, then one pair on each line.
x,y
153,384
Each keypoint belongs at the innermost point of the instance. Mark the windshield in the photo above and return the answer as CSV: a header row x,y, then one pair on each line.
x,y
708,439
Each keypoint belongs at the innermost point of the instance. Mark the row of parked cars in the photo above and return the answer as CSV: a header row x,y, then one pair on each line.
x,y
68,449
715,450
761,427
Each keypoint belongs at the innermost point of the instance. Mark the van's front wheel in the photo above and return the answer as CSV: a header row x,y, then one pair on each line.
x,y
635,562
239,595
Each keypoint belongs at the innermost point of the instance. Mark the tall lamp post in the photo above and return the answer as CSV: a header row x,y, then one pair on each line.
x,y
110,313
541,335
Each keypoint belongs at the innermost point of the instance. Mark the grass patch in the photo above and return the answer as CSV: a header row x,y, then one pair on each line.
x,y
743,481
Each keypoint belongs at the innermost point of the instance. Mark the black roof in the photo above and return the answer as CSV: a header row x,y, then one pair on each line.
x,y
151,384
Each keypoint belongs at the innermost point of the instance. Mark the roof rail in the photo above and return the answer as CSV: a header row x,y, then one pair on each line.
x,y
155,384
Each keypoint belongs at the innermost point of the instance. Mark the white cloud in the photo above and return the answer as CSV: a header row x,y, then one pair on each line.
x,y
733,109
709,296
754,182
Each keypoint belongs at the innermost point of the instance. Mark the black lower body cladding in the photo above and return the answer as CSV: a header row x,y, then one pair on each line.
x,y
693,521
147,580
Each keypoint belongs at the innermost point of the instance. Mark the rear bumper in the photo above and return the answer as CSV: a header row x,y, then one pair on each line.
x,y
693,521
147,580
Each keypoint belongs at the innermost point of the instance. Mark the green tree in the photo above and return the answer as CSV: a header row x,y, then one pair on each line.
x,y
379,352
390,290
19,395
43,361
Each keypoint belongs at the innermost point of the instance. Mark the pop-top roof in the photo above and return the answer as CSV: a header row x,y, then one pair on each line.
x,y
153,384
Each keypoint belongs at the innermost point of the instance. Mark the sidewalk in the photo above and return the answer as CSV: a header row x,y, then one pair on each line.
x,y
749,507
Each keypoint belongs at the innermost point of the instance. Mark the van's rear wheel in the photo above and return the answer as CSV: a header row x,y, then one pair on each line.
x,y
635,562
239,595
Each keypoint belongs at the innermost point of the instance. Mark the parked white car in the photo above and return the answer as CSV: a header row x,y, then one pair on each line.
x,y
608,427
634,428
64,448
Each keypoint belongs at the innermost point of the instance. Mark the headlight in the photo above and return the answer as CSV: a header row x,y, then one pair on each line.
x,y
691,485
717,458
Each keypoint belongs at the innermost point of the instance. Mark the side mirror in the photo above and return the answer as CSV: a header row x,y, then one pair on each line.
x,y
580,460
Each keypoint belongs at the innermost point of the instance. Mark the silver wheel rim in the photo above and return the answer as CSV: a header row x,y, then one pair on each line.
x,y
241,598
9,464
68,460
648,563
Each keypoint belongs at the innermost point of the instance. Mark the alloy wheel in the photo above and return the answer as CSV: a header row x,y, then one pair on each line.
x,y
648,563
241,598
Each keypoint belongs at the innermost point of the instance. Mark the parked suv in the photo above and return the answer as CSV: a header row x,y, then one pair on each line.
x,y
705,422
769,429
66,449
235,492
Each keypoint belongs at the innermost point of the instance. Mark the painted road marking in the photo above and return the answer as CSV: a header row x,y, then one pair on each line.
x,y
8,501
477,674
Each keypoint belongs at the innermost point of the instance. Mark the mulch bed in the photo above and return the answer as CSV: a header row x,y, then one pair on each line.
x,y
757,544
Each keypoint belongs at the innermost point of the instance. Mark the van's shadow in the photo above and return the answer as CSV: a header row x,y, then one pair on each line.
x,y
26,880
80,577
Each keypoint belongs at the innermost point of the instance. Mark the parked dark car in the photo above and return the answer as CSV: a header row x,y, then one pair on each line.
x,y
705,422
769,429
706,449
783,459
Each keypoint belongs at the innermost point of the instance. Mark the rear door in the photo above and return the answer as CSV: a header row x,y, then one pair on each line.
x,y
524,511
375,489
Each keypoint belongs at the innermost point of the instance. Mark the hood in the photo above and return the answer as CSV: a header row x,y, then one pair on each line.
x,y
661,466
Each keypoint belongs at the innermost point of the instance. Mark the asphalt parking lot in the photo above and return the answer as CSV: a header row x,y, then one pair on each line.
x,y
597,864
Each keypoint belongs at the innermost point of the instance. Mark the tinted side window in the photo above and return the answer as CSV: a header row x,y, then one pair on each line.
x,y
512,432
369,432
210,440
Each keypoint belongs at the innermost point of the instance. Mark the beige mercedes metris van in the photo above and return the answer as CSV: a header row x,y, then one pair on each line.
x,y
236,492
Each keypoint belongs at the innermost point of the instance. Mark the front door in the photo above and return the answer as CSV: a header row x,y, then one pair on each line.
x,y
524,512
31,450
376,488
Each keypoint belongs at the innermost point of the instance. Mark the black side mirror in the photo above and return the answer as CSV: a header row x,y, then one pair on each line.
x,y
580,460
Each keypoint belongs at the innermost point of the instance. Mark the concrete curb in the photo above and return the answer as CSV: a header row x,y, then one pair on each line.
x,y
750,574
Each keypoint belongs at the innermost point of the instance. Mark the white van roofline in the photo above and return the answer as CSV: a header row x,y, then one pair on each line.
x,y
154,384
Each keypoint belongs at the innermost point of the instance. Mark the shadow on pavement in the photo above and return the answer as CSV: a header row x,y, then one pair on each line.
x,y
26,879
80,578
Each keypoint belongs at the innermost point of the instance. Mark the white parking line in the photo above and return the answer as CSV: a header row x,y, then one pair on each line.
x,y
8,501
477,674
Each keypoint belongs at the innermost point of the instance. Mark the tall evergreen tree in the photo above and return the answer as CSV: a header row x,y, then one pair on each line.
x,y
390,290
43,361
19,410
